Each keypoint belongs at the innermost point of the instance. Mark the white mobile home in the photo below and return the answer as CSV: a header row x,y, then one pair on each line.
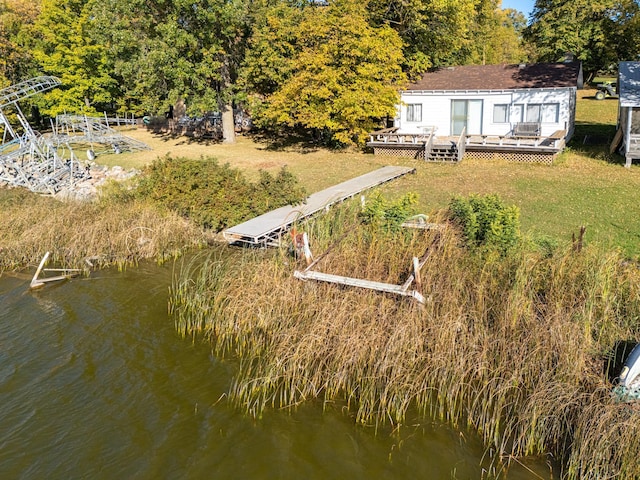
x,y
492,100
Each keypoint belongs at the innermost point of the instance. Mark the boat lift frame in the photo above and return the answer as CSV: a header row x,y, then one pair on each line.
x,y
31,160
403,289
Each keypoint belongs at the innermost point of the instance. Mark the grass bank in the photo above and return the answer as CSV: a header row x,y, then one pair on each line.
x,y
585,186
515,347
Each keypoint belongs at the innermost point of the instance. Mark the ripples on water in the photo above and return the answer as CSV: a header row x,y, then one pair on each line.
x,y
95,383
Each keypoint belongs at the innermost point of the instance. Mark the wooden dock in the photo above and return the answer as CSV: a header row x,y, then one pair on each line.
x,y
266,229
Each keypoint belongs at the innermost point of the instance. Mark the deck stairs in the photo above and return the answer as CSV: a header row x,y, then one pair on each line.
x,y
445,152
425,146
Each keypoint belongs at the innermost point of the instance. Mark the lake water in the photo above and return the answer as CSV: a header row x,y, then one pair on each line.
x,y
95,383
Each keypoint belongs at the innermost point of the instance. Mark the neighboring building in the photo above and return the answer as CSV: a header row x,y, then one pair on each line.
x,y
629,110
492,99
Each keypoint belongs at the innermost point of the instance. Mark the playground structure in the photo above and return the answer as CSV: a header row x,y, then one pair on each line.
x,y
46,163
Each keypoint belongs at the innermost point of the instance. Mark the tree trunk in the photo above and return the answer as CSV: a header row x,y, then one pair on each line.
x,y
228,124
226,107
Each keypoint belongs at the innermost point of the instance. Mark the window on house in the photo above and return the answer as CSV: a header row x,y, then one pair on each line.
x,y
414,112
501,113
550,112
533,113
542,113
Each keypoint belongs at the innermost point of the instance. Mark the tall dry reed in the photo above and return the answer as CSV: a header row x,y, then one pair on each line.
x,y
512,346
108,232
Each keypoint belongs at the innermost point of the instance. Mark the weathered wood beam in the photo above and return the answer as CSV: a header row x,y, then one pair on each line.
x,y
357,282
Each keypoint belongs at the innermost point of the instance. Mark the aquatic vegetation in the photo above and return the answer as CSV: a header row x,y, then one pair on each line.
x,y
512,345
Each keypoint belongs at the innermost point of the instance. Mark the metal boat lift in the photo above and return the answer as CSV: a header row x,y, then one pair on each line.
x,y
90,130
37,162
28,159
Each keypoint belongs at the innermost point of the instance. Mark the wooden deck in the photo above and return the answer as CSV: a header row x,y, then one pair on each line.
x,y
423,146
266,229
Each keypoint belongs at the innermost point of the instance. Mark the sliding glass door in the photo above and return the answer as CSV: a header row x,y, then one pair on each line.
x,y
466,114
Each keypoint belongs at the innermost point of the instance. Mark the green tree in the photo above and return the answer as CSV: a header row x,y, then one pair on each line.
x,y
482,30
187,49
64,47
326,70
623,26
505,43
559,27
433,32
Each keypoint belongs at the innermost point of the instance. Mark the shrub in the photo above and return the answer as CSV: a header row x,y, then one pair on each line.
x,y
486,221
388,214
215,196
272,192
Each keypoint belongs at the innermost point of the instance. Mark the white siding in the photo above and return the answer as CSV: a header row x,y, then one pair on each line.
x,y
436,109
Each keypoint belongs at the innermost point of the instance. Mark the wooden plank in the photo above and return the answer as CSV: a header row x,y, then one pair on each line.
x,y
615,143
557,135
35,283
39,282
359,283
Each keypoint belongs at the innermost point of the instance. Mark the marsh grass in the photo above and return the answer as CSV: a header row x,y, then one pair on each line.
x,y
114,231
510,346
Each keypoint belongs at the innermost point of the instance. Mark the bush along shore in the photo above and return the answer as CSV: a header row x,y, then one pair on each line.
x,y
173,206
515,340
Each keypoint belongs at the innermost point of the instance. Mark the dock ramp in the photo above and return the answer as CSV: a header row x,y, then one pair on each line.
x,y
266,229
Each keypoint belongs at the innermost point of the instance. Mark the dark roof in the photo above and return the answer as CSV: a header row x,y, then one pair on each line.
x,y
501,77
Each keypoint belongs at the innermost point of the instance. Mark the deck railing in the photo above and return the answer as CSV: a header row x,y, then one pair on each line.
x,y
428,146
426,142
389,135
461,144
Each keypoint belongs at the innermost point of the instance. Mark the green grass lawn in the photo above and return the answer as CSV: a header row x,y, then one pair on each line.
x,y
585,186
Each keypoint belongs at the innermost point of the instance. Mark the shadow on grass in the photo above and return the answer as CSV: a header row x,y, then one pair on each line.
x,y
597,152
299,142
167,136
593,140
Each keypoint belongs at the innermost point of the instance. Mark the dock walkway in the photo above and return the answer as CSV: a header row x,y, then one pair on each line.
x,y
266,229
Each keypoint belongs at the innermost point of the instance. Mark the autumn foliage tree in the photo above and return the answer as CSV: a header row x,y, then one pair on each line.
x,y
16,21
324,69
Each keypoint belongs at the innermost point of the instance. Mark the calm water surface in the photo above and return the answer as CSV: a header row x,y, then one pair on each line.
x,y
95,383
